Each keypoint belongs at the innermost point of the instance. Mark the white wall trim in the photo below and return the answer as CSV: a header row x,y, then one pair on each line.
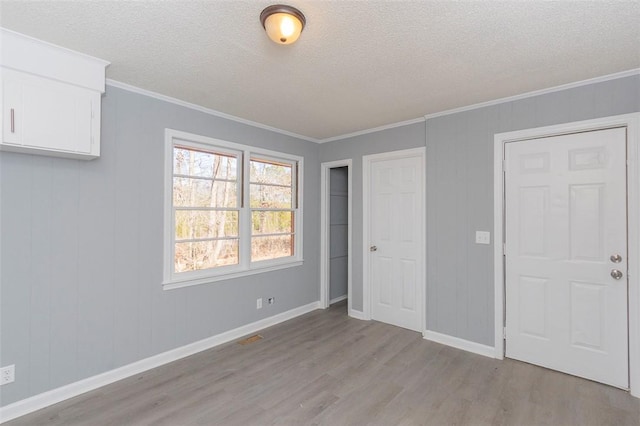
x,y
367,161
151,94
632,123
276,266
325,206
61,64
359,315
29,405
159,96
338,299
614,76
373,130
458,343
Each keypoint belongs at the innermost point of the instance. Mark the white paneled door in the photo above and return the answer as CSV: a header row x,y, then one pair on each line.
x,y
396,251
566,254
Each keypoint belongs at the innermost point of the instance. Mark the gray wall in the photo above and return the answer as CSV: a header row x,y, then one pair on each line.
x,y
81,245
460,287
81,242
338,232
460,193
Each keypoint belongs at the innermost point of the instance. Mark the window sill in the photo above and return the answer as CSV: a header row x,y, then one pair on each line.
x,y
177,283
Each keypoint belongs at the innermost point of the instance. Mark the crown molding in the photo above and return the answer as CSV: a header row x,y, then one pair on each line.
x,y
130,88
614,76
155,95
373,130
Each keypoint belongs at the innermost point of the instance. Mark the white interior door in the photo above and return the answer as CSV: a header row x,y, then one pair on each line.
x,y
396,256
566,236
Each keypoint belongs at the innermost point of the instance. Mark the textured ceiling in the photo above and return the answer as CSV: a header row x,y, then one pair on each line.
x,y
357,65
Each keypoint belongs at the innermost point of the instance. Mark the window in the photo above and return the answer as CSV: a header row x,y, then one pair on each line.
x,y
273,201
230,210
206,209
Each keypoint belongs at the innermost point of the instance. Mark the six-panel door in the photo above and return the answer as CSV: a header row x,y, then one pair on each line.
x,y
566,254
397,236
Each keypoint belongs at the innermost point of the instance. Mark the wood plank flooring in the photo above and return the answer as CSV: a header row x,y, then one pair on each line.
x,y
327,369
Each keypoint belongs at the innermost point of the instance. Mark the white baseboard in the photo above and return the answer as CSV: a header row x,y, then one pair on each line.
x,y
459,343
357,314
337,299
29,405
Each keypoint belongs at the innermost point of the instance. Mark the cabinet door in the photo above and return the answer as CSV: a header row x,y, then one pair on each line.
x,y
48,114
11,102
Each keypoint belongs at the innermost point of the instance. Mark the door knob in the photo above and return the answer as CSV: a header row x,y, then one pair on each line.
x,y
616,258
373,248
616,274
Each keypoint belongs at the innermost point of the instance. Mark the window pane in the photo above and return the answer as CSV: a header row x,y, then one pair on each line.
x,y
206,224
267,172
189,192
269,222
206,164
205,255
264,248
266,196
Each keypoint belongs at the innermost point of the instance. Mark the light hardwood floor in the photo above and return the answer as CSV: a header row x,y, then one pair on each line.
x,y
326,369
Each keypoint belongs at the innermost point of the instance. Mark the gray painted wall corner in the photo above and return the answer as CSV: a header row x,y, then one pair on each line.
x,y
81,245
411,136
459,299
81,242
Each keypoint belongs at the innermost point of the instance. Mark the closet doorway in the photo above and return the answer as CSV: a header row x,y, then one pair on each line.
x,y
336,194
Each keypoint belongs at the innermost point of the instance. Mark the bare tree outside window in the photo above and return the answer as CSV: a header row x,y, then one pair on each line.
x,y
272,201
205,200
211,225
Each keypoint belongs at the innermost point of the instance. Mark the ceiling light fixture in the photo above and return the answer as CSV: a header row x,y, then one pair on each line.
x,y
283,24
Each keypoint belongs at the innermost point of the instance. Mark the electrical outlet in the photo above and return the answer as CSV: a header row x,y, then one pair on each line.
x,y
271,300
259,303
7,374
483,237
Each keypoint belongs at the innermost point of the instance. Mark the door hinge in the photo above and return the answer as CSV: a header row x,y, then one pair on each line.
x,y
504,165
504,333
504,249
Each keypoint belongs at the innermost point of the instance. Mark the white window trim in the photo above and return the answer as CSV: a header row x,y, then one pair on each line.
x,y
172,280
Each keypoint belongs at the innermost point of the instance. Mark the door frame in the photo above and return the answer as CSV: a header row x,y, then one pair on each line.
x,y
325,216
367,161
632,123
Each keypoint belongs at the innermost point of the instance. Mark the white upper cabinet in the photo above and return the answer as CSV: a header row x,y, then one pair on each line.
x,y
50,98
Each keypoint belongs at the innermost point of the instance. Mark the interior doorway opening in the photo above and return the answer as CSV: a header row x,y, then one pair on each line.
x,y
338,231
336,259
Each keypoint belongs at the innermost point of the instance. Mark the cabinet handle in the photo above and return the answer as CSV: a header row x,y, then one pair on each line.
x,y
13,121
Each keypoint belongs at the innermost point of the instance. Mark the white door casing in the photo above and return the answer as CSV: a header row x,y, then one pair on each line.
x,y
394,244
565,211
631,122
